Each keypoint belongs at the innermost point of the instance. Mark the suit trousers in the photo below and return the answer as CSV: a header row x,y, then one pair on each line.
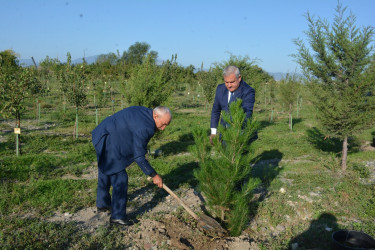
x,y
119,183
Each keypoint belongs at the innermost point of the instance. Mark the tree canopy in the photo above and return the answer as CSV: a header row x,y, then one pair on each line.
x,y
137,52
338,69
8,61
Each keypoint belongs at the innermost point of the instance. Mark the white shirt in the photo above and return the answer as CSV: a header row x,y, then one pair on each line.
x,y
214,130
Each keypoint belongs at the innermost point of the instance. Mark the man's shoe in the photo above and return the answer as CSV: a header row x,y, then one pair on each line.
x,y
121,222
103,209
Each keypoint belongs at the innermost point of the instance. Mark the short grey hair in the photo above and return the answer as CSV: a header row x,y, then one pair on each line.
x,y
231,70
162,110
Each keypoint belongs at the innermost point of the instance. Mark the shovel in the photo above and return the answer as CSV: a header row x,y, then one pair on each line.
x,y
204,221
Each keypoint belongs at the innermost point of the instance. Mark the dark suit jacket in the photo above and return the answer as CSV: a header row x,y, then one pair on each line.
x,y
122,138
244,92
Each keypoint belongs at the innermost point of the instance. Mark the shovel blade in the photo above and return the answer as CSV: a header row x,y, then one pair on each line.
x,y
211,225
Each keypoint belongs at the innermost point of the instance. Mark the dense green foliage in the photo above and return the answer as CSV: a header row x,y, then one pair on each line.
x,y
209,81
16,84
137,52
73,83
342,53
74,86
150,85
8,62
224,177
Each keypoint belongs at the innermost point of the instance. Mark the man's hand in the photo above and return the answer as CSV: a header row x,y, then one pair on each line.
x,y
158,181
212,136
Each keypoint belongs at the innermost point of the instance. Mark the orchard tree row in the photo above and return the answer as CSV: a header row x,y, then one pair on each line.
x,y
338,66
135,77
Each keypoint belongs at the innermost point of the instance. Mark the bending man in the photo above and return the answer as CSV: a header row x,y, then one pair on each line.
x,y
119,140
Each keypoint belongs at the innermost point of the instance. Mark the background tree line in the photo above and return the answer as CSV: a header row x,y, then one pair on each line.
x,y
339,74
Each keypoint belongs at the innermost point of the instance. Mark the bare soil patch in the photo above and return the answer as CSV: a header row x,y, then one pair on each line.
x,y
158,224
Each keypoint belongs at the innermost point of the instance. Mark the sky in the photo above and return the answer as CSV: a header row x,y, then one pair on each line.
x,y
197,31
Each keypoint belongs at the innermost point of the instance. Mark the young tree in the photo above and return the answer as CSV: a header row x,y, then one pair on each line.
x,y
137,52
49,67
15,85
38,89
149,84
341,54
74,86
102,92
107,59
189,77
288,90
224,177
14,88
208,80
272,97
8,62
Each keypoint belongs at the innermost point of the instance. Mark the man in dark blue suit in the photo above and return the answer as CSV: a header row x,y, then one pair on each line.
x,y
119,140
227,92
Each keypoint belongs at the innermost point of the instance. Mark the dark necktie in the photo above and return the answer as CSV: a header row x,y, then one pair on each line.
x,y
231,99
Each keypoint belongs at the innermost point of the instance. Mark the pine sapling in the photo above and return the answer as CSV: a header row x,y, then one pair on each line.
x,y
225,173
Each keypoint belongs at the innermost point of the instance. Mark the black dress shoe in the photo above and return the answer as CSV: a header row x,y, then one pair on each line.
x,y
121,222
103,209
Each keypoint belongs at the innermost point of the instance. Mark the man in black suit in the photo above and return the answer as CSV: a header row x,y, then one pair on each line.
x,y
232,89
120,140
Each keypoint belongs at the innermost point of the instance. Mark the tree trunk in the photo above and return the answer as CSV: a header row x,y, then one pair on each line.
x,y
18,118
290,118
38,112
76,124
344,154
74,129
36,108
18,139
297,107
290,121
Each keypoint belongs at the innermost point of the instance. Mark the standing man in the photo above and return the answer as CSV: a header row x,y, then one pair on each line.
x,y
119,140
227,92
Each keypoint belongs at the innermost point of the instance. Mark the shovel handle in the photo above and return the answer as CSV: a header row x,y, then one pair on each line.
x,y
195,216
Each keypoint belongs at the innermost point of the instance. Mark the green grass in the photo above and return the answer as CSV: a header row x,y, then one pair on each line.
x,y
21,234
317,194
36,234
46,196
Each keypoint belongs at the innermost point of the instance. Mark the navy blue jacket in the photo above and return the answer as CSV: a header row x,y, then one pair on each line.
x,y
122,138
244,92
